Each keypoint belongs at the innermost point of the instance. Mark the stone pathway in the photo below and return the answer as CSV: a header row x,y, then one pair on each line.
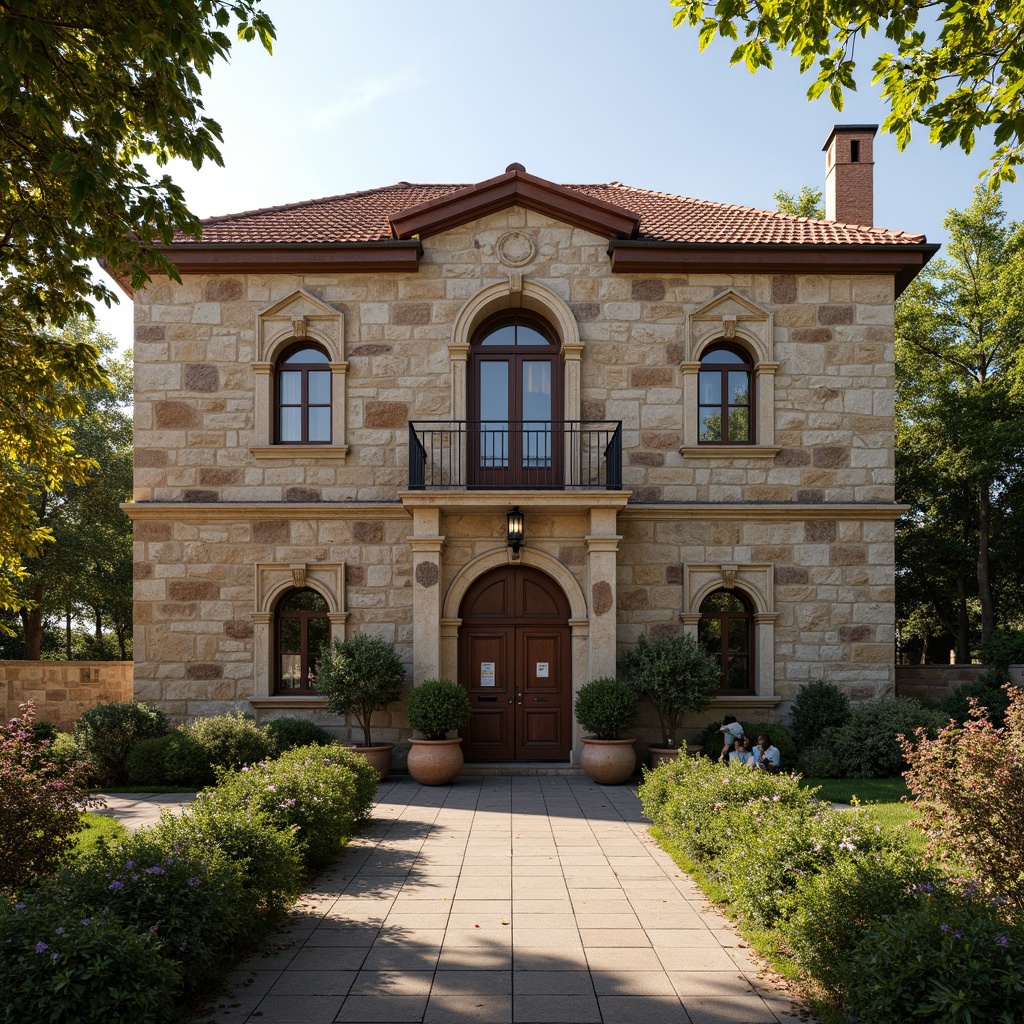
x,y
503,900
134,810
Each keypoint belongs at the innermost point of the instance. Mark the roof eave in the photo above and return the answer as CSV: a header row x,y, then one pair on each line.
x,y
903,262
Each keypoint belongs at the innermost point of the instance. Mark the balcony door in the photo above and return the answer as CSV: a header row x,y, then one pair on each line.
x,y
514,662
515,404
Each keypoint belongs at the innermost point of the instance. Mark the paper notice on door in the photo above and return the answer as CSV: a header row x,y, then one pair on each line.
x,y
486,673
542,670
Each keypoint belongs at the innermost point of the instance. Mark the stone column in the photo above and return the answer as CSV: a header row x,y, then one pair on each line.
x,y
339,415
602,547
264,385
450,649
764,652
580,654
426,543
690,373
572,360
764,391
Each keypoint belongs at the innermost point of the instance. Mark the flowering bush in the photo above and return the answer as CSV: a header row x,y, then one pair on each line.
x,y
834,907
230,741
40,802
106,733
57,964
951,957
322,793
193,900
969,785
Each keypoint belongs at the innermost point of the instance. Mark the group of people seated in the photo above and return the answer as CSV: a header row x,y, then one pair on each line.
x,y
737,748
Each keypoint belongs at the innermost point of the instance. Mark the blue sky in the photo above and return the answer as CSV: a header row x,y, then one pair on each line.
x,y
361,93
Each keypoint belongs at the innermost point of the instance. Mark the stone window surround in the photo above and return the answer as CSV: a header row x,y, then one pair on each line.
x,y
756,583
273,579
299,317
731,317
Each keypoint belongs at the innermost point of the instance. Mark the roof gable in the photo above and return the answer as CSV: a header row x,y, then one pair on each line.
x,y
515,188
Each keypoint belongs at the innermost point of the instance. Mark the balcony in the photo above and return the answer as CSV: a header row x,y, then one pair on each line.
x,y
515,455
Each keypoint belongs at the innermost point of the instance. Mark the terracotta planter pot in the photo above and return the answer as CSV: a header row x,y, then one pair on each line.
x,y
379,756
661,755
435,762
609,762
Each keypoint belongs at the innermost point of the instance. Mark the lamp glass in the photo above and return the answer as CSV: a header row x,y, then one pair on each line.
x,y
514,529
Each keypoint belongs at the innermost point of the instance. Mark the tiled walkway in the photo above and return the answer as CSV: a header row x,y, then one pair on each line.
x,y
503,900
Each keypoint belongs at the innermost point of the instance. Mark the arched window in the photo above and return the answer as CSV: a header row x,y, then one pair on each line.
x,y
303,396
726,631
515,402
726,402
302,629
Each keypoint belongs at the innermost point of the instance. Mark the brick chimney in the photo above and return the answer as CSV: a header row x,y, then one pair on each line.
x,y
849,174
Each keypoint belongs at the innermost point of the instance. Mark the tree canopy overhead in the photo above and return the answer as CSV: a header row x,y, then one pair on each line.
x,y
956,68
89,89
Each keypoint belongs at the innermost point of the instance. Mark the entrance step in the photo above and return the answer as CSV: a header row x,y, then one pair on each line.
x,y
501,768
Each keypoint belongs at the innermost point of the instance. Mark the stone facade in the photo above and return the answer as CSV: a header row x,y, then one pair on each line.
x,y
801,520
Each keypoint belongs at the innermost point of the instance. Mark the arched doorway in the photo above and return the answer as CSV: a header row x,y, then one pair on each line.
x,y
515,664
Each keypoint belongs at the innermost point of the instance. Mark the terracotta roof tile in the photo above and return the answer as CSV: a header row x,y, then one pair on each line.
x,y
363,217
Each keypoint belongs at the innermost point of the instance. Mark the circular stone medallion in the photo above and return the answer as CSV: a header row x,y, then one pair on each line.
x,y
516,249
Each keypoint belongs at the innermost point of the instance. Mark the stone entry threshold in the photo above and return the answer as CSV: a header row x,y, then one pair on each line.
x,y
502,900
511,769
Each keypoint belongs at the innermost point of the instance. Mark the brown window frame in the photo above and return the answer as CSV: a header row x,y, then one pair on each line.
x,y
304,404
747,615
724,406
280,615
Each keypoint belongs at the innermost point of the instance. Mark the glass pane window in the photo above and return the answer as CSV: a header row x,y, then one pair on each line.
x,y
303,399
302,630
710,388
725,630
725,397
710,425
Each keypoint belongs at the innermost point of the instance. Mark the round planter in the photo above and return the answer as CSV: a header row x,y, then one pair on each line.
x,y
379,756
661,755
435,762
609,762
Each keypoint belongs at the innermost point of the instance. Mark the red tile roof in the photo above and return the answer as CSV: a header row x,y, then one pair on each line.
x,y
363,217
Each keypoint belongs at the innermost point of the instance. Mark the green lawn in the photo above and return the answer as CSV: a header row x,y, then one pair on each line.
x,y
881,799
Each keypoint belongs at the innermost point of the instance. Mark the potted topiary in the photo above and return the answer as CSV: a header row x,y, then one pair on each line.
x,y
605,707
435,708
676,675
358,677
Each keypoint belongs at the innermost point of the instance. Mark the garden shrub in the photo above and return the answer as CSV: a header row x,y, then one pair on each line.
x,y
268,856
324,793
835,906
868,745
106,734
818,706
44,731
711,739
194,900
437,706
230,741
60,964
951,958
40,802
969,785
605,707
174,759
990,696
286,733
1001,649
145,763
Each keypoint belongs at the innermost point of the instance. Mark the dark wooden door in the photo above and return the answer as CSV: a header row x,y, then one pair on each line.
x,y
514,661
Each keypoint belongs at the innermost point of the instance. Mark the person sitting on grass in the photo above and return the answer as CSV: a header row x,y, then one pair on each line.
x,y
767,755
731,731
741,752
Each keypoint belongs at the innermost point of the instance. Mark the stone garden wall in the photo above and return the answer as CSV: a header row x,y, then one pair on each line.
x,y
62,690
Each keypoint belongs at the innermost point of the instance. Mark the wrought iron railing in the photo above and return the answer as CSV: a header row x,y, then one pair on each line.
x,y
515,454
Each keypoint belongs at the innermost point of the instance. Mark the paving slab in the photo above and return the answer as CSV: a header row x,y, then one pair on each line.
x,y
535,899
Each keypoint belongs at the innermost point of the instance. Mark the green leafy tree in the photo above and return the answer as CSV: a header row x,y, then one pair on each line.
x,y
87,564
806,202
92,94
960,405
956,69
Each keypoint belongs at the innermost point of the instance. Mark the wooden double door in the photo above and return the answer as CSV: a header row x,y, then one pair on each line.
x,y
514,662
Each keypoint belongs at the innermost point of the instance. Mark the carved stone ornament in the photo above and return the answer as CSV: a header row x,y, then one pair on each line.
x,y
299,326
516,249
729,576
299,576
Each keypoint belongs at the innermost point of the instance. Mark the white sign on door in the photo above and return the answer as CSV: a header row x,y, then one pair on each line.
x,y
542,670
486,673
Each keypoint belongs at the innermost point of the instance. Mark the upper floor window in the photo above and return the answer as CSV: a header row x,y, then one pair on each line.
x,y
303,396
726,400
302,630
726,631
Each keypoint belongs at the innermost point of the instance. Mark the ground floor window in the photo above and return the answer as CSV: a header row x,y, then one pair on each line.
x,y
302,630
726,631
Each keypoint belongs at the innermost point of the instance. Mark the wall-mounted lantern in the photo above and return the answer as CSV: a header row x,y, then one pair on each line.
x,y
514,530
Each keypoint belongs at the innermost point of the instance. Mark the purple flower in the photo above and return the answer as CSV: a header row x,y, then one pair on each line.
x,y
155,871
115,885
958,935
1003,941
41,947
86,921
129,865
272,787
19,906
194,882
943,928
58,931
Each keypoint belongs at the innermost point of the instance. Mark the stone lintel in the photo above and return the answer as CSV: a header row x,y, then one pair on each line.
x,y
729,451
292,452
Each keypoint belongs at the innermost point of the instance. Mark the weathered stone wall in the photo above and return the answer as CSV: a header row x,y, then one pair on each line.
x,y
62,690
933,682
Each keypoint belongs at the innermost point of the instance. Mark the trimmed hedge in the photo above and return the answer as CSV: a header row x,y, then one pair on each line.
x,y
128,931
106,733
